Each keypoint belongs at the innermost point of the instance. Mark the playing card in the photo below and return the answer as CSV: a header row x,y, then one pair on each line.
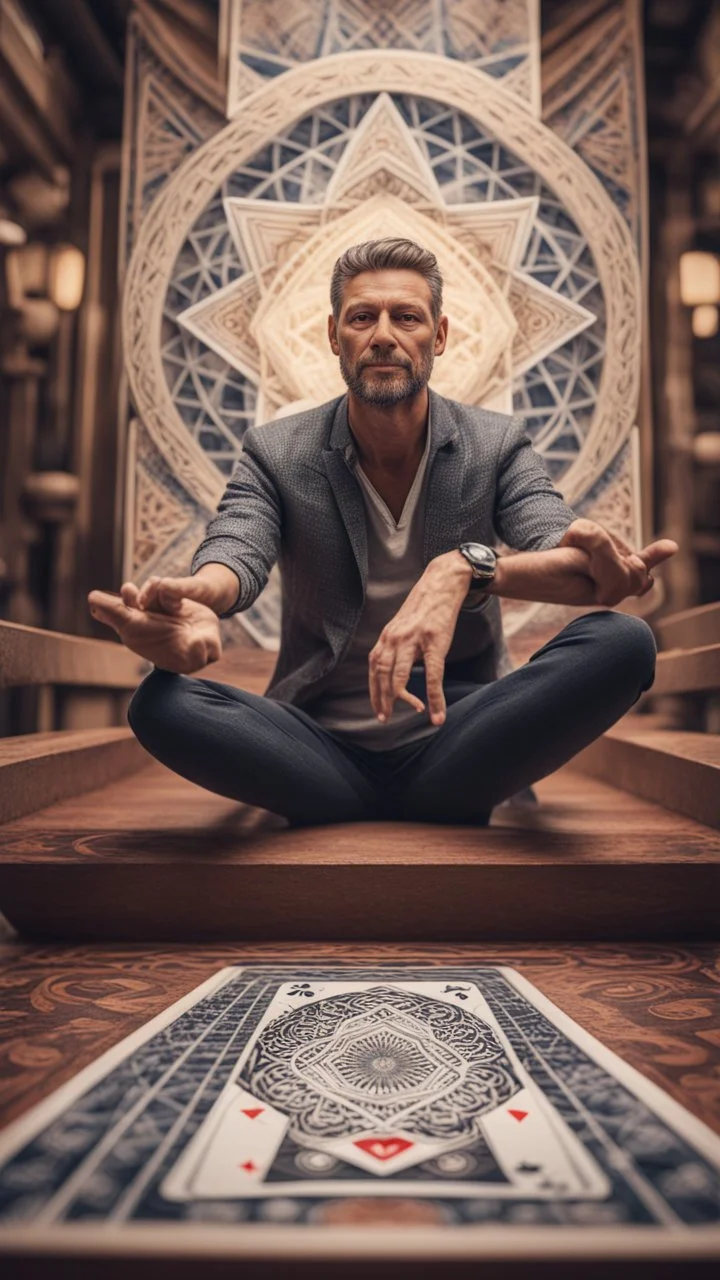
x,y
275,1099
382,1078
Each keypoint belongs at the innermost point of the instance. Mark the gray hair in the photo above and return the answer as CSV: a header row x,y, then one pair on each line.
x,y
391,254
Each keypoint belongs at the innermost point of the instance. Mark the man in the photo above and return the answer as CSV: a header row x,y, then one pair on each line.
x,y
393,695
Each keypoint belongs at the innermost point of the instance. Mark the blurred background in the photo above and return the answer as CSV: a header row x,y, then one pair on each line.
x,y
173,173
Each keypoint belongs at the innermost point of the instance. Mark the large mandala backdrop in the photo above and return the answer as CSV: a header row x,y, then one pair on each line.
x,y
533,203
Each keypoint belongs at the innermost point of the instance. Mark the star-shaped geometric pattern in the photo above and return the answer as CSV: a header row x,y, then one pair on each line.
x,y
270,322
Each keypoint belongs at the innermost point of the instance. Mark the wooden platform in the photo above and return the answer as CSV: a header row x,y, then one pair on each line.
x,y
154,857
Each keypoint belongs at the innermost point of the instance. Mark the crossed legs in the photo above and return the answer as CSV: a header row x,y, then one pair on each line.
x,y
496,739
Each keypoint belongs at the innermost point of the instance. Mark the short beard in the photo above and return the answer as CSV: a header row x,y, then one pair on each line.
x,y
404,385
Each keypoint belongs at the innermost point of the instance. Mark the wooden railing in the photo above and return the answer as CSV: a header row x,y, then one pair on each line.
x,y
86,740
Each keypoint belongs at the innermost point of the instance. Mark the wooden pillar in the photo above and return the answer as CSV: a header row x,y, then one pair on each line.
x,y
681,572
23,374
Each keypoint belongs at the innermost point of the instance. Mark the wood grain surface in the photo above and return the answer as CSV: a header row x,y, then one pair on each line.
x,y
154,856
30,656
42,767
675,768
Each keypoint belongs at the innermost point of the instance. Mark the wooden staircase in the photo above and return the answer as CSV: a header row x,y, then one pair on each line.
x,y
656,756
37,769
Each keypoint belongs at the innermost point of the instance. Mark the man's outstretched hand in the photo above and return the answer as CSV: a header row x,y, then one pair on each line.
x,y
615,569
169,621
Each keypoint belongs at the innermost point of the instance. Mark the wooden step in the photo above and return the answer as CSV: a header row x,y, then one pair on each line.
x,y
155,857
30,656
687,671
37,769
691,628
676,769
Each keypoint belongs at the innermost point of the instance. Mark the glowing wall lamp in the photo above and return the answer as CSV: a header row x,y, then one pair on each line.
x,y
699,278
11,233
700,289
705,321
66,276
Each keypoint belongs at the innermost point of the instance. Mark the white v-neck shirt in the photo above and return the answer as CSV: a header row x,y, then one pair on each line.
x,y
394,566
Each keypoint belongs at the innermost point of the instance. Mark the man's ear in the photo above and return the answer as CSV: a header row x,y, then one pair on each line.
x,y
332,335
441,336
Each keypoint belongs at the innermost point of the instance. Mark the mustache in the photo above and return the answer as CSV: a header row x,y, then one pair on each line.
x,y
369,364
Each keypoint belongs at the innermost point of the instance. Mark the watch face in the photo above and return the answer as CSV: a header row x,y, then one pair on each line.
x,y
484,557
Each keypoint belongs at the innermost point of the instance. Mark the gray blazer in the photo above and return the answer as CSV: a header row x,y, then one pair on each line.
x,y
293,498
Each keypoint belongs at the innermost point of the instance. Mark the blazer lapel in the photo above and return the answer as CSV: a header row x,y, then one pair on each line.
x,y
444,481
346,488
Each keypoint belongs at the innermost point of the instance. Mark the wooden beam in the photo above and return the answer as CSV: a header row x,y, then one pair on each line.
x,y
691,628
30,656
37,769
74,25
687,671
674,768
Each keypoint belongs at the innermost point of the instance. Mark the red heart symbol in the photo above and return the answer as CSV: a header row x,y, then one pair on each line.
x,y
383,1148
518,1115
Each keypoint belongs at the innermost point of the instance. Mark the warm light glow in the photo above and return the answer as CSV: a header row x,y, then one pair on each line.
x,y
699,278
705,321
11,232
706,447
66,277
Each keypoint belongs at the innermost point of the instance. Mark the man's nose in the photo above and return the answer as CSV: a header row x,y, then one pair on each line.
x,y
383,335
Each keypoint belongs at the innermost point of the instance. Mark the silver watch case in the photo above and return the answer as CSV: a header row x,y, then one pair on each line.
x,y
482,560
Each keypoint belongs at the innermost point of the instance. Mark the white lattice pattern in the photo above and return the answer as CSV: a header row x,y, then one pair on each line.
x,y
270,37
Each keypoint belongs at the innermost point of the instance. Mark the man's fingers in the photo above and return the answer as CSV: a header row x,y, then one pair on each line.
x,y
129,594
110,605
105,616
148,593
434,670
380,681
401,675
168,594
621,544
407,696
656,552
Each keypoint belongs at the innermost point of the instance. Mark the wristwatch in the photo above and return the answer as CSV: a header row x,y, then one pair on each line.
x,y
482,561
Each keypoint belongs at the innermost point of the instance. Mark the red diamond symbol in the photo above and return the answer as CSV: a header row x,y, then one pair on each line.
x,y
383,1148
252,1112
248,1166
518,1115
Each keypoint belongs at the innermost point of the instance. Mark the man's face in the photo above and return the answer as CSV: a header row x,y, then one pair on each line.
x,y
385,336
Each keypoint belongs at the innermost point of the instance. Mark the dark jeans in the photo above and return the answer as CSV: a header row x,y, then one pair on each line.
x,y
497,738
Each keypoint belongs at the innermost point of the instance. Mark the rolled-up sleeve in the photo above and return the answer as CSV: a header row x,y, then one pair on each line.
x,y
530,513
246,531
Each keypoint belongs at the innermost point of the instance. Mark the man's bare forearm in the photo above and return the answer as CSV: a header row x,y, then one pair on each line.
x,y
223,584
559,576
